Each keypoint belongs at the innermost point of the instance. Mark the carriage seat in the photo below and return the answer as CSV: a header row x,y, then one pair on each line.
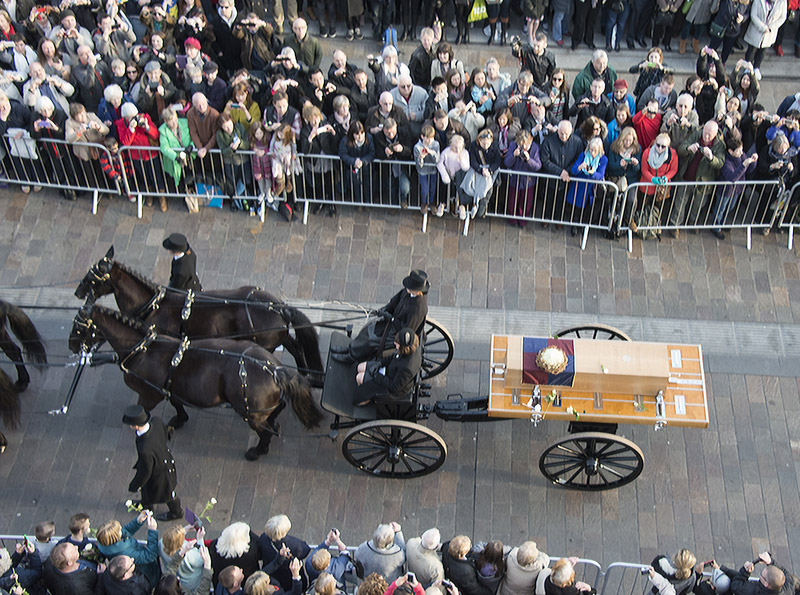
x,y
340,387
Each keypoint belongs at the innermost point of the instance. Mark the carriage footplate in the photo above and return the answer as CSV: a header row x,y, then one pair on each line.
x,y
457,408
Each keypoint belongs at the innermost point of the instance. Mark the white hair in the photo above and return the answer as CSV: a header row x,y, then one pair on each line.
x,y
44,103
404,79
383,536
112,92
234,540
128,110
278,527
389,50
599,54
430,539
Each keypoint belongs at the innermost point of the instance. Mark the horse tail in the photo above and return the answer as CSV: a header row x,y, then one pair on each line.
x,y
307,337
9,401
299,391
25,331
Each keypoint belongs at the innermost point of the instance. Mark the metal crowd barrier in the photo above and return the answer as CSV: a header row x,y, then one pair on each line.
x,y
790,214
52,163
747,205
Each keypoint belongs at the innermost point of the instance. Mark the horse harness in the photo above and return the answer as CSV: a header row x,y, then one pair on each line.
x,y
166,390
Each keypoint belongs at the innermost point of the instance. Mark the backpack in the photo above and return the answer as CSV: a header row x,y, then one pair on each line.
x,y
390,37
649,217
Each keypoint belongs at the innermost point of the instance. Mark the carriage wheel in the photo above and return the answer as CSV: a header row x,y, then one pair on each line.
x,y
592,461
593,331
393,448
437,352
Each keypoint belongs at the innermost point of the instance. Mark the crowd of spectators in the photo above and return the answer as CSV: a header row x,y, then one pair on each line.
x,y
183,561
178,97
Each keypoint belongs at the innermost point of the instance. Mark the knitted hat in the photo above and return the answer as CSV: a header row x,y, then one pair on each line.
x,y
191,42
620,84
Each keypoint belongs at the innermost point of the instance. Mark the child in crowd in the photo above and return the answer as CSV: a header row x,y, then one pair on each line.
x,y
112,163
320,560
426,157
78,531
283,151
453,166
45,540
261,163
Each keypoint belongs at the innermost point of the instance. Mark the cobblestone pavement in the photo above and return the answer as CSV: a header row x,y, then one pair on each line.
x,y
726,491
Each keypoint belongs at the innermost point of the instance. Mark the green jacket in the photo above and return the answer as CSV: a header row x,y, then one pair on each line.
x,y
308,51
707,170
224,141
585,77
171,146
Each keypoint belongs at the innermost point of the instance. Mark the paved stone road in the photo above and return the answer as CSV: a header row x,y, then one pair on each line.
x,y
726,491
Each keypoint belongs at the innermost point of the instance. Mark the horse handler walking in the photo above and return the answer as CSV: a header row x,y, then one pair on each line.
x,y
155,468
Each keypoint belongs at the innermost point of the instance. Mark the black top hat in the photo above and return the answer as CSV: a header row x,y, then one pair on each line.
x,y
417,280
405,337
176,242
135,415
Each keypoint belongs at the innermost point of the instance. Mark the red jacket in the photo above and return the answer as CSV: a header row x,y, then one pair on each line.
x,y
668,169
139,138
646,128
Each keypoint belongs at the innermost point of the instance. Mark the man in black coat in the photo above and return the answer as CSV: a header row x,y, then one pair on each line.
x,y
66,574
183,273
155,468
408,308
558,152
391,376
774,580
121,578
420,63
593,103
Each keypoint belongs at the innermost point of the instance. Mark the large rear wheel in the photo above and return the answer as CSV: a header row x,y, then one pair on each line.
x,y
393,448
602,332
437,350
592,461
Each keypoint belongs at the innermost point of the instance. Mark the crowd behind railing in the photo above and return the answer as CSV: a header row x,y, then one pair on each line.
x,y
184,560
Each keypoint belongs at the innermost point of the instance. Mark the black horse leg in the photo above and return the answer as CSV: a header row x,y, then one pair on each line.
x,y
15,355
265,430
181,418
3,443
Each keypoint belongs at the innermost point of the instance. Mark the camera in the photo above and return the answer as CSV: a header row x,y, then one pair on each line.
x,y
446,584
645,570
411,576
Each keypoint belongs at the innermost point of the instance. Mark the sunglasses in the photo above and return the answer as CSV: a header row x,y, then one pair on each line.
x,y
660,146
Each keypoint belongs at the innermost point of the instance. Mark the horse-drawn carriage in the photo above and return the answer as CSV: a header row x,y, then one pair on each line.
x,y
593,376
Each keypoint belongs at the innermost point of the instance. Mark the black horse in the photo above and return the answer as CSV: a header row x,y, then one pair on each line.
x,y
13,318
203,373
246,313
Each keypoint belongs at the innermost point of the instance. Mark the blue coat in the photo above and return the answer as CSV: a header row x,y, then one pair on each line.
x,y
579,193
615,170
145,558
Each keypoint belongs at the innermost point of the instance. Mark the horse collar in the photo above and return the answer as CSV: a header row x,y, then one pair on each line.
x,y
152,305
140,347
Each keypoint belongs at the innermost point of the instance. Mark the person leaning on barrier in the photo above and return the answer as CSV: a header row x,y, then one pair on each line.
x,y
561,580
774,579
55,159
701,157
177,153
318,137
357,152
277,547
558,152
659,165
66,574
84,127
682,572
423,559
459,567
523,565
320,562
384,554
138,131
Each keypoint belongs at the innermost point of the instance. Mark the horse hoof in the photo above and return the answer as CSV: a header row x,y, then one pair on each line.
x,y
176,422
252,454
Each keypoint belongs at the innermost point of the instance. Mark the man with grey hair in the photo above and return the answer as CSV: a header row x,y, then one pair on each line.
x,y
154,91
420,62
90,77
306,47
558,152
517,96
422,557
598,67
523,565
679,122
378,114
411,99
385,553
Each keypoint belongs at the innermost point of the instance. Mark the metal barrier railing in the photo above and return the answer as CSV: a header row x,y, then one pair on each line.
x,y
790,213
53,163
325,179
744,205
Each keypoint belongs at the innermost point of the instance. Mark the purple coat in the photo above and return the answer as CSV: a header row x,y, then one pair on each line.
x,y
519,163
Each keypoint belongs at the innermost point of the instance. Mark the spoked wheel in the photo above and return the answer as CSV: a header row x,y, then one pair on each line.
x,y
437,352
592,461
393,448
602,332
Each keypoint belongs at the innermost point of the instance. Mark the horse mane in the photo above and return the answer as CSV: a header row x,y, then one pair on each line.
x,y
123,318
149,283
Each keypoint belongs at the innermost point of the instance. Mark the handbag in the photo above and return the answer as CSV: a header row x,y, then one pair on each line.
x,y
716,29
23,147
664,18
662,193
478,12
